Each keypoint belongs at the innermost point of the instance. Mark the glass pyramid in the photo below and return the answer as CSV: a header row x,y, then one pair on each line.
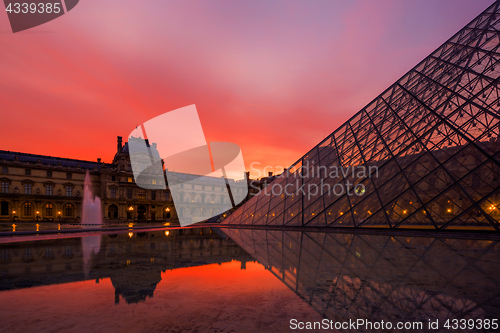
x,y
429,146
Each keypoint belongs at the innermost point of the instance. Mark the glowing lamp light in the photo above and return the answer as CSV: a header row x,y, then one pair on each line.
x,y
404,211
37,212
13,212
14,227
59,213
167,209
130,234
37,227
130,225
167,233
449,210
131,208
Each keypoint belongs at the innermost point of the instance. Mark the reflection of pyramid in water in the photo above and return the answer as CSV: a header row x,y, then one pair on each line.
x,y
379,278
433,136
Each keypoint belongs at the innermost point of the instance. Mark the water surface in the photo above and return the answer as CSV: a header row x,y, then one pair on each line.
x,y
240,280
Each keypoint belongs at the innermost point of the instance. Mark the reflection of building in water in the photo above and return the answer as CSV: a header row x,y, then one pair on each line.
x,y
434,138
133,261
346,276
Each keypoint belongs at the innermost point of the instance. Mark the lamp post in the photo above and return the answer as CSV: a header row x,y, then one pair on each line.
x,y
37,216
14,216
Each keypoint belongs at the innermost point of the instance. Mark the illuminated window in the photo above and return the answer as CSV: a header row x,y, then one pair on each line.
x,y
49,209
48,189
142,194
5,187
130,179
153,181
69,191
28,207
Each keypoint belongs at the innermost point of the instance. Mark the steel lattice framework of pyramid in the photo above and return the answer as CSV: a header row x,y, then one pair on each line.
x,y
433,138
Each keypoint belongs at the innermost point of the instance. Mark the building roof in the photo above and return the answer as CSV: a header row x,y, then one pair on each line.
x,y
51,160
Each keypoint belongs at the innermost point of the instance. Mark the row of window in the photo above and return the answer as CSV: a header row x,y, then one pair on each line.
x,y
69,175
28,189
141,194
49,190
27,172
49,209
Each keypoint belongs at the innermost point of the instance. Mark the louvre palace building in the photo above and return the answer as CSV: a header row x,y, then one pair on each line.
x,y
47,188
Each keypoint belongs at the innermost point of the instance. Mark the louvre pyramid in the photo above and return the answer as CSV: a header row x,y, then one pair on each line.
x,y
433,137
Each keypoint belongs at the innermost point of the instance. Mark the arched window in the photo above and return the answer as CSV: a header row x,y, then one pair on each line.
x,y
28,208
113,212
49,209
68,210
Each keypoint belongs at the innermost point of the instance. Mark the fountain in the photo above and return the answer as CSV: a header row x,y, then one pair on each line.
x,y
91,218
91,207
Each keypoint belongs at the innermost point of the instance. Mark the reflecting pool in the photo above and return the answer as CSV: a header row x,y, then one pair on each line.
x,y
243,280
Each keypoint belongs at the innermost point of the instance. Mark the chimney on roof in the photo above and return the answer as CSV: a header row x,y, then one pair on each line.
x,y
154,145
270,173
98,160
120,144
248,175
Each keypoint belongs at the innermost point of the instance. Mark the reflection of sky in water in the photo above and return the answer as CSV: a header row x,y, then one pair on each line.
x,y
194,279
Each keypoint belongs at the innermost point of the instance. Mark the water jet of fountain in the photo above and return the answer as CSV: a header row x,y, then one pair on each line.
x,y
91,218
91,207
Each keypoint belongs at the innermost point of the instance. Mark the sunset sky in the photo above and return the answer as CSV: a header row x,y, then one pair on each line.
x,y
287,72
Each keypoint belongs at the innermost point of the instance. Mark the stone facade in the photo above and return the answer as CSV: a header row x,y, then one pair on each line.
x,y
46,188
